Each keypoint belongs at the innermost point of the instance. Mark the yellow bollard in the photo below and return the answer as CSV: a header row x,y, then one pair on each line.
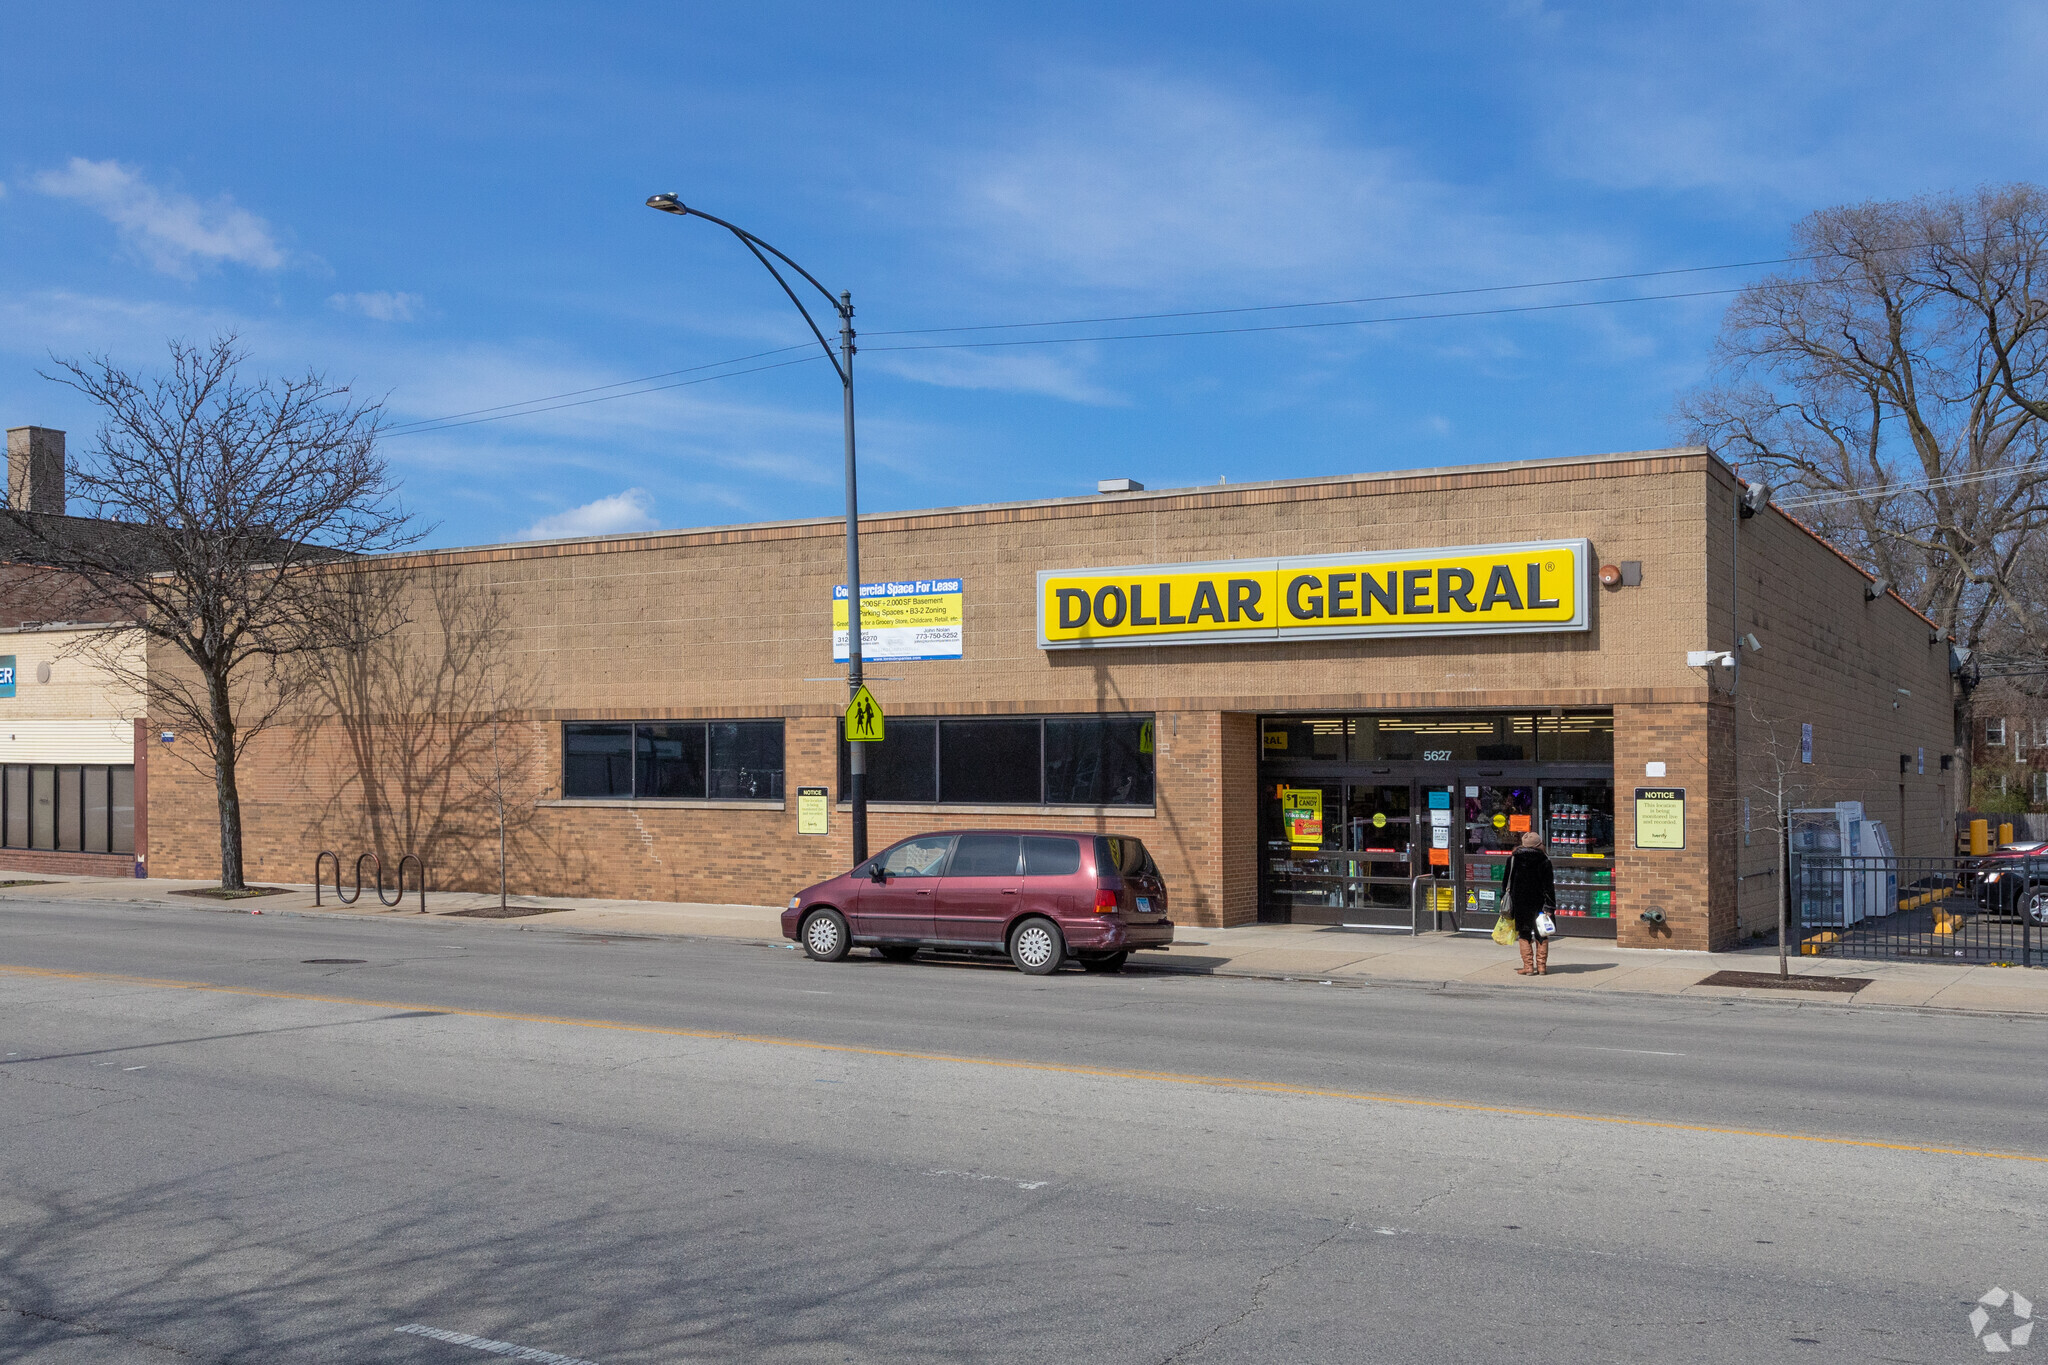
x,y
2005,833
1980,838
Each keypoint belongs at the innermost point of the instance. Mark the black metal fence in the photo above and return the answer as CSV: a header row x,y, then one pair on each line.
x,y
1972,910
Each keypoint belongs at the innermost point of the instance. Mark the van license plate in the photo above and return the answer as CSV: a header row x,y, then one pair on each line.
x,y
1144,905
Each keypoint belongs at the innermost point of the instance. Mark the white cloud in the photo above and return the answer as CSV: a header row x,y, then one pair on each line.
x,y
632,510
1137,183
173,232
1054,376
381,305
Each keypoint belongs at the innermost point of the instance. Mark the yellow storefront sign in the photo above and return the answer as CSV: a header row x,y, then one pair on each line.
x,y
1479,589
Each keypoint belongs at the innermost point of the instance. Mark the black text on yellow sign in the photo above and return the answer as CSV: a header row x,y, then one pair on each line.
x,y
1476,589
864,718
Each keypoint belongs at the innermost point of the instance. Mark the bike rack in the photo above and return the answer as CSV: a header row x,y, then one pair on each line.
x,y
352,896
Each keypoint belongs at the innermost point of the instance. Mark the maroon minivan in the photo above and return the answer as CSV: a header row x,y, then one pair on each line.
x,y
1039,897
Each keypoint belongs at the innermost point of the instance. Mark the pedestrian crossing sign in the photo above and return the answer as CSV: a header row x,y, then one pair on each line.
x,y
864,718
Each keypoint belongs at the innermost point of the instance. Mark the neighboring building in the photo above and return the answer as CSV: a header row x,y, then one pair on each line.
x,y
1301,695
2008,747
73,757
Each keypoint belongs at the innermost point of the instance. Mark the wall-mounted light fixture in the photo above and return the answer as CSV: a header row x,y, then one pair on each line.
x,y
1876,588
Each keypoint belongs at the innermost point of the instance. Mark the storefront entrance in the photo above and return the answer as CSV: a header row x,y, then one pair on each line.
x,y
1362,816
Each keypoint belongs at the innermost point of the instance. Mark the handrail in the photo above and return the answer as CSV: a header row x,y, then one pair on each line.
x,y
1415,911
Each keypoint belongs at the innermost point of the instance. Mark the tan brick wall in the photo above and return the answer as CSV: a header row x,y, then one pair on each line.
x,y
1836,661
731,622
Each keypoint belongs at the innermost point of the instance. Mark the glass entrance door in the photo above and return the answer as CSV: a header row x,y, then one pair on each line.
x,y
1340,852
1499,808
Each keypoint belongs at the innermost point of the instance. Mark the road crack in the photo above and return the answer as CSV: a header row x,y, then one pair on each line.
x,y
1257,1301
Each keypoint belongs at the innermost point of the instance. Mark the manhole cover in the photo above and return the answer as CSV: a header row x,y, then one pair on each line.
x,y
331,961
1841,985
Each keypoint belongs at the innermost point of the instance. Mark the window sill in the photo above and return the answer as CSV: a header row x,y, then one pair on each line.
x,y
947,808
626,803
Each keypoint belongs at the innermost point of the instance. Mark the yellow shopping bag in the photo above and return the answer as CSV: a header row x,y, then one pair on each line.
x,y
1504,930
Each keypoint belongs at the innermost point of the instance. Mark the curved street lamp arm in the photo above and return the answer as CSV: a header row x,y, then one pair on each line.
x,y
753,241
747,240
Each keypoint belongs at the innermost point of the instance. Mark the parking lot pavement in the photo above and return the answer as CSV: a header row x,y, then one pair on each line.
x,y
1348,956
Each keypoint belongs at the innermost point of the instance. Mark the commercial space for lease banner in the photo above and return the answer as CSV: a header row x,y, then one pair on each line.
x,y
917,619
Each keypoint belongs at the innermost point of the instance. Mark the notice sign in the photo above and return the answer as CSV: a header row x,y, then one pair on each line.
x,y
1660,817
1301,809
812,810
1467,590
919,619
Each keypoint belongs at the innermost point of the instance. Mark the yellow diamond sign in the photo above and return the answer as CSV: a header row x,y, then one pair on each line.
x,y
864,718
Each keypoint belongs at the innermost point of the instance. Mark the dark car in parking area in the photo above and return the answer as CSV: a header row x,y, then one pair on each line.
x,y
2012,880
1038,897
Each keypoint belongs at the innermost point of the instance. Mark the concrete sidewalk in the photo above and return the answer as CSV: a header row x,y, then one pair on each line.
x,y
1283,951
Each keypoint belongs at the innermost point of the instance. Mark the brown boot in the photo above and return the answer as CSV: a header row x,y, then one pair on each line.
x,y
1528,967
1543,957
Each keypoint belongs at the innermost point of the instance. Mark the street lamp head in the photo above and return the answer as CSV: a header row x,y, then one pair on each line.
x,y
668,203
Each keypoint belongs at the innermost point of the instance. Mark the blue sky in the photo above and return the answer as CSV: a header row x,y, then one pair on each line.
x,y
443,205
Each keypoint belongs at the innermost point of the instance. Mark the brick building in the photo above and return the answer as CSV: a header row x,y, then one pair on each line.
x,y
1512,646
74,785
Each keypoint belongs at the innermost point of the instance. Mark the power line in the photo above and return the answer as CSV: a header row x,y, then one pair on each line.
x,y
1912,486
626,388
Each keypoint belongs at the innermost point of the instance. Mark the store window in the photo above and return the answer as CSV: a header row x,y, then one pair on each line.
x,y
667,760
1010,761
68,807
1442,737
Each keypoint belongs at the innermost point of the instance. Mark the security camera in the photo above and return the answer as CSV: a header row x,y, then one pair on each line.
x,y
1876,589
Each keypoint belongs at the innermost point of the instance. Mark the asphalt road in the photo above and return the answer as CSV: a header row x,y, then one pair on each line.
x,y
617,1150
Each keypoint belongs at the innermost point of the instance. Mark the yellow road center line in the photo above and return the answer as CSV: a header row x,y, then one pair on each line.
x,y
1056,1068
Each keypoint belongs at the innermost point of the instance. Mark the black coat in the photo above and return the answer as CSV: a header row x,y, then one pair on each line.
x,y
1531,886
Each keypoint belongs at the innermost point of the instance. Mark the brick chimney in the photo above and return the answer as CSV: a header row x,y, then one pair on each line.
x,y
35,470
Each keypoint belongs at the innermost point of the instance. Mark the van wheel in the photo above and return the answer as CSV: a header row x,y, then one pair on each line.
x,y
1108,962
825,936
1036,948
897,952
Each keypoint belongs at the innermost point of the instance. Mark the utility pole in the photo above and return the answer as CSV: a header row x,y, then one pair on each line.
x,y
857,764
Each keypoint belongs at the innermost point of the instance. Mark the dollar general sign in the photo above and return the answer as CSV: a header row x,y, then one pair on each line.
x,y
1473,589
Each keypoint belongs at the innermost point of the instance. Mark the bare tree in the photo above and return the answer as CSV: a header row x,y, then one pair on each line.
x,y
220,508
1895,386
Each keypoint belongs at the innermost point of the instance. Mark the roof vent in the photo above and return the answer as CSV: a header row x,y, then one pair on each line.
x,y
1118,486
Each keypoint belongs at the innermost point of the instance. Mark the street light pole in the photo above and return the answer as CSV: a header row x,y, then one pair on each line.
x,y
842,362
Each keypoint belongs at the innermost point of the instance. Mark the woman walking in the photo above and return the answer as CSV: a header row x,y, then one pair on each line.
x,y
1532,890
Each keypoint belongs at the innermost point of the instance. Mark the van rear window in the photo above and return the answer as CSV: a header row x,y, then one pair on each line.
x,y
1128,856
1051,857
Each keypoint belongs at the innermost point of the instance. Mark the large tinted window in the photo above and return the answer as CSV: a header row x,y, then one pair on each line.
x,y
673,760
597,760
903,767
1055,760
989,761
669,760
1098,761
984,855
746,760
83,808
